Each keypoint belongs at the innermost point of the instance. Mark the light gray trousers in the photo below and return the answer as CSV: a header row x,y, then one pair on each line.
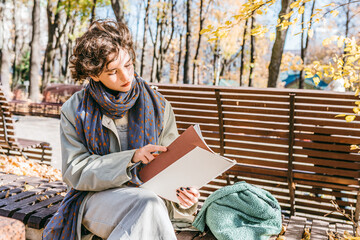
x,y
128,213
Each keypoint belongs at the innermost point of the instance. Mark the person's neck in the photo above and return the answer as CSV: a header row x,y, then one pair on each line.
x,y
112,92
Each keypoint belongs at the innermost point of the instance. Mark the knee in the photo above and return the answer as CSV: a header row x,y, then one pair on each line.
x,y
147,198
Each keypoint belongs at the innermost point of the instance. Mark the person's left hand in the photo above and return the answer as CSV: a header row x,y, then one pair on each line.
x,y
187,196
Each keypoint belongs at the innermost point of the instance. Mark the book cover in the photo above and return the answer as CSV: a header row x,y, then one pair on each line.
x,y
188,162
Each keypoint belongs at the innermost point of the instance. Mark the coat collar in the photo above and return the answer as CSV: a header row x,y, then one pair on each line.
x,y
110,124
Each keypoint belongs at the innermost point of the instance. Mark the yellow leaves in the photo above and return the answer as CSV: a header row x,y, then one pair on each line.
x,y
329,5
356,110
316,80
259,30
228,23
295,4
357,92
340,115
354,147
287,16
212,39
21,166
259,12
334,13
28,187
204,30
350,118
301,9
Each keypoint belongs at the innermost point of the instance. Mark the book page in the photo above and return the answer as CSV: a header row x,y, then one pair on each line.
x,y
194,169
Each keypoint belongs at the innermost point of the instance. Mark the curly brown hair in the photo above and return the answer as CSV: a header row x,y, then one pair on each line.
x,y
92,50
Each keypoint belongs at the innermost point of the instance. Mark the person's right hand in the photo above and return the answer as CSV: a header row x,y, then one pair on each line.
x,y
145,155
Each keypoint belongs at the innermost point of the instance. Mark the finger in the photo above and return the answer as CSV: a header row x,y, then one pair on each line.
x,y
193,191
155,148
182,201
148,156
189,198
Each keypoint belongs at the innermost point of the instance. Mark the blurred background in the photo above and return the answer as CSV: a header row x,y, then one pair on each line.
x,y
229,42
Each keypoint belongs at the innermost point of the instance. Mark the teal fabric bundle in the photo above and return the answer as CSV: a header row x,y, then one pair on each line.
x,y
240,211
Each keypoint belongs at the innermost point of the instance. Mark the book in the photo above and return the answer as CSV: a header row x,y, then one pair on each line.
x,y
188,162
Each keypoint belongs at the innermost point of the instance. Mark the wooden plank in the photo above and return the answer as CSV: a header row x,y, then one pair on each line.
x,y
24,213
340,228
319,230
187,235
257,110
39,219
328,154
328,162
295,228
327,122
327,130
328,170
328,138
9,209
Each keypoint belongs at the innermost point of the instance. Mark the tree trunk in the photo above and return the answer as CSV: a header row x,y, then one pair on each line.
x,y
278,47
252,50
137,28
304,43
243,53
155,55
93,7
163,48
15,49
49,52
118,8
4,55
146,25
186,79
201,23
179,60
35,55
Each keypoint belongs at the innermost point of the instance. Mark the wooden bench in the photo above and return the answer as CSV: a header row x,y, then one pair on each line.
x,y
33,201
54,96
285,141
11,145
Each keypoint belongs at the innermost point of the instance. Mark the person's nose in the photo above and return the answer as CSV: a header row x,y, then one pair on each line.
x,y
123,75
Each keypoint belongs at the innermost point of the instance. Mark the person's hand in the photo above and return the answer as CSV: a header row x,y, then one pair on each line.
x,y
146,155
187,196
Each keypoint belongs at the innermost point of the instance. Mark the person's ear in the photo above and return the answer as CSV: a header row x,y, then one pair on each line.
x,y
96,79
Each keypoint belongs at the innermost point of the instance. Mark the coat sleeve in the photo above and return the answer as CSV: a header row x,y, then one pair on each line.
x,y
85,172
168,135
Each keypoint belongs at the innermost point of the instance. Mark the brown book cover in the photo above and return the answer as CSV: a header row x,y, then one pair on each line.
x,y
186,142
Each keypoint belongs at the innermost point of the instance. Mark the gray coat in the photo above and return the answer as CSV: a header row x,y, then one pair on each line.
x,y
85,172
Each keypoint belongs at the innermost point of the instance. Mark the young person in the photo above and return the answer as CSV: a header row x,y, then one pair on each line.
x,y
115,122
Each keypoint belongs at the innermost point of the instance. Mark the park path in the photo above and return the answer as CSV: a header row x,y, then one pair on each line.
x,y
43,129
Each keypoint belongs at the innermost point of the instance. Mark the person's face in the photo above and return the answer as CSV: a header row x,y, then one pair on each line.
x,y
119,73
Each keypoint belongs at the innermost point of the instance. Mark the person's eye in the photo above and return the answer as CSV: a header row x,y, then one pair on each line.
x,y
129,65
113,72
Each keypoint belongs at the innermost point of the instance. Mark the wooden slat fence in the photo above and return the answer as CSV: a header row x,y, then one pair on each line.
x,y
286,141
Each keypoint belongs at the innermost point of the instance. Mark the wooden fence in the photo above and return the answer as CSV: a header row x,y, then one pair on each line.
x,y
286,141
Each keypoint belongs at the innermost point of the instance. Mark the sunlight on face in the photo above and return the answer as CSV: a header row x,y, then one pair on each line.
x,y
119,73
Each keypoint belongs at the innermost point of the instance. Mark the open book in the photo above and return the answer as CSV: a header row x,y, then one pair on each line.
x,y
188,162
